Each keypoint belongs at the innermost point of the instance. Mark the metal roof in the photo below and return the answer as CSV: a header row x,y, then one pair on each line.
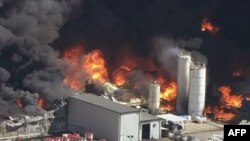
x,y
104,103
171,117
145,117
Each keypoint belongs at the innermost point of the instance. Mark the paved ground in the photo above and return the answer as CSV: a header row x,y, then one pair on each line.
x,y
201,131
204,130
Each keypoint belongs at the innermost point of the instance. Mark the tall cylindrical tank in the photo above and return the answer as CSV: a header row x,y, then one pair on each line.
x,y
197,90
154,97
184,63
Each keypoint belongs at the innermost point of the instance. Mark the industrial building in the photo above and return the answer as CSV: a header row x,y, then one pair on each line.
x,y
28,126
197,89
183,71
154,97
110,120
191,81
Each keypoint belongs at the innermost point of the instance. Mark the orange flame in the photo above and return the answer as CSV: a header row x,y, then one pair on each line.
x,y
219,113
228,99
168,92
73,55
120,75
207,25
94,64
238,72
41,102
168,107
73,83
81,65
19,103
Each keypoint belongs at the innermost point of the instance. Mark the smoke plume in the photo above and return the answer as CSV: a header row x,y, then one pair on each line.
x,y
29,66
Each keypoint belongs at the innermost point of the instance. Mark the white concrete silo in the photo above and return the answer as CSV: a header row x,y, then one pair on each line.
x,y
154,97
183,70
197,90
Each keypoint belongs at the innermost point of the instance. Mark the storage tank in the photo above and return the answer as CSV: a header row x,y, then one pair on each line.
x,y
183,69
154,97
197,90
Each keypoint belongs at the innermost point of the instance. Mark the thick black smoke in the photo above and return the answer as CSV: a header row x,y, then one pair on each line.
x,y
29,66
34,33
143,25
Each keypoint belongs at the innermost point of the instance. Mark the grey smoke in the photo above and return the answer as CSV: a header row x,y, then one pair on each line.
x,y
166,51
4,75
198,58
8,98
48,83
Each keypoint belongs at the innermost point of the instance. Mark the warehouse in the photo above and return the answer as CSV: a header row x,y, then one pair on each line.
x,y
110,120
106,119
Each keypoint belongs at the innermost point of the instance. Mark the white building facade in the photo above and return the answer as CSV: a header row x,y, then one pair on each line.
x,y
106,119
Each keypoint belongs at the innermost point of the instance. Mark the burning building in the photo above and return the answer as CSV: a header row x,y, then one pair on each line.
x,y
38,125
50,49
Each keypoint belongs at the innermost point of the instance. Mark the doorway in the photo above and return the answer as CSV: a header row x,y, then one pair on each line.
x,y
146,131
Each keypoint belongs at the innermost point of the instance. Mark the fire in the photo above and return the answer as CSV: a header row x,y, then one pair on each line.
x,y
94,64
219,113
19,103
228,99
168,107
41,102
207,25
73,83
120,75
83,65
168,92
73,55
238,72
224,116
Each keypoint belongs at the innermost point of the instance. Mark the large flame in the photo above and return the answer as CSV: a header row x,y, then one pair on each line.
x,y
228,99
208,26
73,57
219,113
168,92
94,64
120,75
84,66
